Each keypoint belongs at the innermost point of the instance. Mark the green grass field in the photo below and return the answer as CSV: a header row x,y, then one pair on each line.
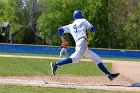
x,y
23,89
41,67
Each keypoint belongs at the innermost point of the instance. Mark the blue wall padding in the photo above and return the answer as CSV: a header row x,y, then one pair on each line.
x,y
34,49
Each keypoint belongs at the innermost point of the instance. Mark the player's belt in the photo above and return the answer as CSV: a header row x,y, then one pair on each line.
x,y
82,38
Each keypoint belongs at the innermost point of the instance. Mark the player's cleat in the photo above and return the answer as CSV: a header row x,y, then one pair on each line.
x,y
53,68
112,76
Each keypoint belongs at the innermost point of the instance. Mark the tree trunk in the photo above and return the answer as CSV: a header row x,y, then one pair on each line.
x,y
34,19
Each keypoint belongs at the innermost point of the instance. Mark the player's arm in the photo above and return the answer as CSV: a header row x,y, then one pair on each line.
x,y
89,26
64,42
61,34
92,29
63,39
61,31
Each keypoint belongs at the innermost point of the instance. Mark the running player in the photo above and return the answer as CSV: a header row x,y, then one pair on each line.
x,y
78,30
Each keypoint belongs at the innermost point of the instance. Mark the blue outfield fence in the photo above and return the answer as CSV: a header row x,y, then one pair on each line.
x,y
53,50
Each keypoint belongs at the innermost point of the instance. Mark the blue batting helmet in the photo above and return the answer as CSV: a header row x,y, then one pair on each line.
x,y
77,14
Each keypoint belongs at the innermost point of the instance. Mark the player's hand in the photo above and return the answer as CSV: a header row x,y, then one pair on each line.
x,y
65,43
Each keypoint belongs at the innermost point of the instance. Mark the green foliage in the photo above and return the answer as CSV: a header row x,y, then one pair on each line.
x,y
101,26
123,24
57,13
131,29
8,12
116,21
25,36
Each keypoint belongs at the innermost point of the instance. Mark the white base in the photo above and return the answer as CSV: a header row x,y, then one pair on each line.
x,y
136,84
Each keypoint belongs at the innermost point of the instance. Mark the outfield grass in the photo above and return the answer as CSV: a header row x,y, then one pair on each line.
x,y
28,54
39,67
104,58
23,89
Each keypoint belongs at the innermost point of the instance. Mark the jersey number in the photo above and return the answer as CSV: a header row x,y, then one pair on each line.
x,y
75,28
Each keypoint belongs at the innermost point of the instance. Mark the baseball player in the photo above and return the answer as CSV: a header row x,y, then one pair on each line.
x,y
63,49
78,30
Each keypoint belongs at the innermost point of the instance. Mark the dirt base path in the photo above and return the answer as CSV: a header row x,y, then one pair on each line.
x,y
129,73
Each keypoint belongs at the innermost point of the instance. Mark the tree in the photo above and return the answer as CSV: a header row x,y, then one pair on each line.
x,y
132,26
56,13
35,15
19,13
116,21
8,14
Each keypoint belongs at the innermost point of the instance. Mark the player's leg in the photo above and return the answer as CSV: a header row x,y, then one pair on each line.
x,y
81,48
66,52
61,52
95,58
75,57
55,65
